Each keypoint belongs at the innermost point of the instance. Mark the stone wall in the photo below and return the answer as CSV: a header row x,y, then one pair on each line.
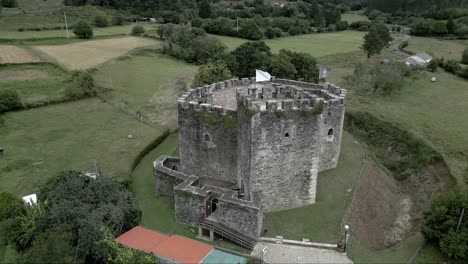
x,y
246,220
208,143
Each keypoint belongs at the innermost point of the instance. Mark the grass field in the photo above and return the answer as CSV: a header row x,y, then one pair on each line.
x,y
449,49
322,221
147,84
84,55
158,212
354,16
35,83
317,45
73,136
98,32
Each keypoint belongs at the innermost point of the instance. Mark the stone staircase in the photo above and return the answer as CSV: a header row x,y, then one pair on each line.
x,y
228,233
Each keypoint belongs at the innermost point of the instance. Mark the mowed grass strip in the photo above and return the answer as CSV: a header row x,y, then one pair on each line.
x,y
35,83
321,222
147,84
354,16
317,45
89,54
449,49
41,142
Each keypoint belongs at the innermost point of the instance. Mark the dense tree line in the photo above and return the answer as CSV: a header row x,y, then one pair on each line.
x,y
75,219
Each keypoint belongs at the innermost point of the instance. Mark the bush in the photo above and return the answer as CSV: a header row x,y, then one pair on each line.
x,y
100,21
9,3
278,32
82,29
357,24
432,66
197,22
150,147
363,28
211,73
343,25
270,33
9,100
118,20
138,30
463,72
452,66
83,85
464,59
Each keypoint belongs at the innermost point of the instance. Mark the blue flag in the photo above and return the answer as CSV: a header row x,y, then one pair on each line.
x,y
324,72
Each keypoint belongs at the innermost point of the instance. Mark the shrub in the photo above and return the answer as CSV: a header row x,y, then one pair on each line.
x,y
197,22
343,25
452,66
138,30
9,3
270,33
464,59
83,85
211,73
117,20
357,24
277,32
100,21
9,100
82,29
363,28
432,66
463,72
156,142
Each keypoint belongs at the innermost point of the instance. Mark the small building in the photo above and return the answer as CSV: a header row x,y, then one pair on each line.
x,y
419,60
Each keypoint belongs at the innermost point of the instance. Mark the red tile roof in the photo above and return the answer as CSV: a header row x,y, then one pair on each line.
x,y
173,247
141,238
183,250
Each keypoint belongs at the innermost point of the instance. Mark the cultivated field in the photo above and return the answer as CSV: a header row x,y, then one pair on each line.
x,y
41,142
35,83
353,17
147,84
315,44
89,54
13,54
449,49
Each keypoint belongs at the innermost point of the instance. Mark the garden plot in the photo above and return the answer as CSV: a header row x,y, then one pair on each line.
x,y
89,54
13,54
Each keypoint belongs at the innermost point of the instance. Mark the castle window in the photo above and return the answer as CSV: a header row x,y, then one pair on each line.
x,y
330,135
329,113
286,135
330,132
207,138
174,168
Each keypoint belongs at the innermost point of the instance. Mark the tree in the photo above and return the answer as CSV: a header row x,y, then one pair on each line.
x,y
204,9
137,30
118,254
270,33
249,57
82,29
9,3
452,66
9,100
85,206
376,39
451,27
117,20
211,73
54,246
432,66
441,224
282,67
464,59
440,28
100,21
250,30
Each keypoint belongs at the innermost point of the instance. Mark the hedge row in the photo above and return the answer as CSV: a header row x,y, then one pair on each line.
x,y
155,143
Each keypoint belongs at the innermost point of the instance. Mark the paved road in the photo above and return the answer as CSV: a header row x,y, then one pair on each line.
x,y
397,46
280,253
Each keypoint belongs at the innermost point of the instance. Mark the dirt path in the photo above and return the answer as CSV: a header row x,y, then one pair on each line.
x,y
13,54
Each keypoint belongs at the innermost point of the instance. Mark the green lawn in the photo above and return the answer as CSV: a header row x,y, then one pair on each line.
x,y
321,222
354,16
434,111
98,32
40,142
158,212
147,84
52,87
317,45
449,49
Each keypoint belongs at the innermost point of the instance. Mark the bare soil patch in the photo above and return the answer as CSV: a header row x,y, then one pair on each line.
x,y
26,75
385,211
88,54
13,54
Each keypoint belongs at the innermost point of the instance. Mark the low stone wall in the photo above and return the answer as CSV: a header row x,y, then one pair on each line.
x,y
240,215
303,243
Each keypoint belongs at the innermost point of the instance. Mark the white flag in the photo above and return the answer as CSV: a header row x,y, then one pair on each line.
x,y
261,76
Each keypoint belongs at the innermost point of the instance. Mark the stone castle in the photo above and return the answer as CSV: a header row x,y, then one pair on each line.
x,y
246,148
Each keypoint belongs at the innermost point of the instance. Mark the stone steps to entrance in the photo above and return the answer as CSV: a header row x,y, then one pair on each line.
x,y
228,233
